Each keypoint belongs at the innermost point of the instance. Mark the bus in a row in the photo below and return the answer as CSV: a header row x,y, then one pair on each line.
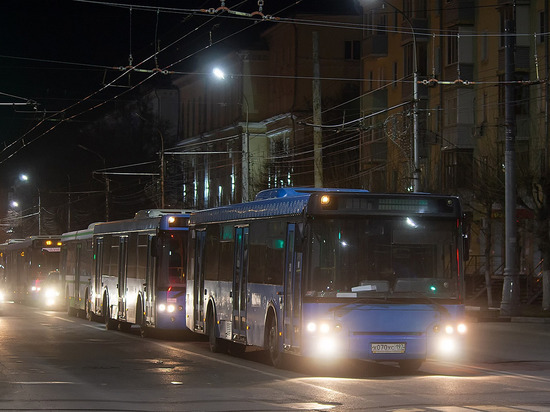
x,y
317,273
129,272
330,274
25,266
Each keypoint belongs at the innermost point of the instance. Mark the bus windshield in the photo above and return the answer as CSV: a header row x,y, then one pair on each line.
x,y
172,259
385,256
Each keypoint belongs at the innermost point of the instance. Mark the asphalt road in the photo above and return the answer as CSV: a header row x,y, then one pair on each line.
x,y
50,361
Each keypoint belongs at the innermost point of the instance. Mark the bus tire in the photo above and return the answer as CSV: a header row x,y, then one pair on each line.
x,y
214,341
88,310
70,310
140,320
275,355
110,324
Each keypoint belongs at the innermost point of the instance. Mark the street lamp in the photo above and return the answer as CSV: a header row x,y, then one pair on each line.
x,y
416,144
23,177
219,74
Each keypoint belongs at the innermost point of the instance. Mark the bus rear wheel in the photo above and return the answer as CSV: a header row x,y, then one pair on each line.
x,y
140,320
215,343
275,355
110,324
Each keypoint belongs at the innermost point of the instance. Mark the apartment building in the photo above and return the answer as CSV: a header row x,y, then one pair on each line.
x,y
434,103
253,128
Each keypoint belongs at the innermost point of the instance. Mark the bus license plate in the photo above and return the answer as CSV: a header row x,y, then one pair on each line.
x,y
388,347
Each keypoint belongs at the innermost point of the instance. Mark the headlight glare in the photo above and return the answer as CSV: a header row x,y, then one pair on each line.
x,y
461,328
449,329
311,327
324,328
162,307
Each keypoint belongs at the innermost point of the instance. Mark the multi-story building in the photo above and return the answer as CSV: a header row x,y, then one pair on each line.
x,y
254,128
449,134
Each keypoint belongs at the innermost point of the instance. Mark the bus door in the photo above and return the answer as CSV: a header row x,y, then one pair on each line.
x,y
240,284
198,281
98,277
292,302
145,270
78,256
122,259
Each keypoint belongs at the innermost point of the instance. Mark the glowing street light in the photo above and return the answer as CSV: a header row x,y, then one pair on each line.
x,y
220,75
23,177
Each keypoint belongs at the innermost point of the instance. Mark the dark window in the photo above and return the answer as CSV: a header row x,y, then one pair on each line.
x,y
452,48
212,253
227,244
132,255
352,50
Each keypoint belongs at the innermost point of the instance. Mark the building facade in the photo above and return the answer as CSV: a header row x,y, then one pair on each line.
x,y
449,134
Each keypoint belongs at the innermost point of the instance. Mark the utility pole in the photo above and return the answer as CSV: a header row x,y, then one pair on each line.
x,y
162,169
317,118
510,289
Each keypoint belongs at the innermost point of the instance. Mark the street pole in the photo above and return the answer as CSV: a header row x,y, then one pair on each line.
x,y
39,214
317,118
510,289
416,143
161,169
246,155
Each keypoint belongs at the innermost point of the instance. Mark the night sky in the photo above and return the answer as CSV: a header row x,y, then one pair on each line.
x,y
58,55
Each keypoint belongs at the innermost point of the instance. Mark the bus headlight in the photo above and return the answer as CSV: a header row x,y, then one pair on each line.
x,y
451,329
163,307
327,346
447,346
324,338
323,327
51,293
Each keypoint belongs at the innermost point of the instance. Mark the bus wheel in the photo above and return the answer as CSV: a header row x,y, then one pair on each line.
x,y
140,320
110,324
214,342
88,309
410,365
70,310
275,354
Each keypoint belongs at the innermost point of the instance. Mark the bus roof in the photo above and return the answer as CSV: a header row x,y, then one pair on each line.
x,y
271,202
293,202
297,191
145,220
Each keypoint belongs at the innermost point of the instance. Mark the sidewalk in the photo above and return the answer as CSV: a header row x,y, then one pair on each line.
x,y
527,314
